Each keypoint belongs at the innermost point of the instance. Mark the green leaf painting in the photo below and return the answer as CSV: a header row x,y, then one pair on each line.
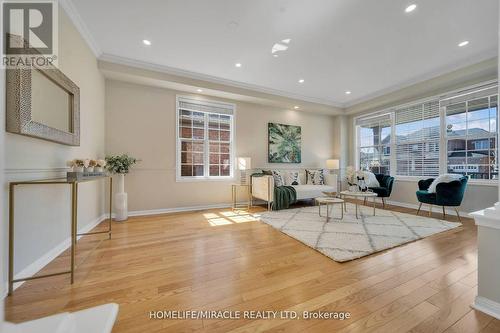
x,y
284,143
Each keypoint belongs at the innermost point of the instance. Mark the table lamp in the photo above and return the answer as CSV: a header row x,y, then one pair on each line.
x,y
334,164
243,164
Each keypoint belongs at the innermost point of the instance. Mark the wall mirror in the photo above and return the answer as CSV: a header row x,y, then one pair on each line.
x,y
43,103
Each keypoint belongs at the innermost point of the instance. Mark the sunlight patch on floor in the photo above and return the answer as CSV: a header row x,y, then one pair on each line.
x,y
229,217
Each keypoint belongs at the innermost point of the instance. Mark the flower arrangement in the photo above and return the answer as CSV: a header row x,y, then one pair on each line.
x,y
100,164
88,165
120,163
91,165
77,164
350,174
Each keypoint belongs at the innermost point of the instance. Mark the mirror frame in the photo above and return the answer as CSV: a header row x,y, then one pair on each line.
x,y
19,120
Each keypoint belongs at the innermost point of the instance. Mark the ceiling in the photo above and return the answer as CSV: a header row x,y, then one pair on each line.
x,y
367,47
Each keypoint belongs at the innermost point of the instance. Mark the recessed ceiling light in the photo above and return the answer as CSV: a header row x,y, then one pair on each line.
x,y
199,90
237,65
464,43
278,47
146,42
410,8
296,107
301,81
286,41
347,92
275,55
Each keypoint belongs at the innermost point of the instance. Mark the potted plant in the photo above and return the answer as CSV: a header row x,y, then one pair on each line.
x,y
76,165
120,165
91,165
100,164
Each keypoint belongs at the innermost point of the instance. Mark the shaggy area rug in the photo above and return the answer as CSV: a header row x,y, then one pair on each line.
x,y
351,238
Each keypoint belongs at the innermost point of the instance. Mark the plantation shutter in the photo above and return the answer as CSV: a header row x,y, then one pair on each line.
x,y
417,139
384,120
203,106
374,143
205,139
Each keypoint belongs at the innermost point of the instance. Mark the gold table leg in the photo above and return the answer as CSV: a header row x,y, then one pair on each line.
x,y
110,203
11,238
74,221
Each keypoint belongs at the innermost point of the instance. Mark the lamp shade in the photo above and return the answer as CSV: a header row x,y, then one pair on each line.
x,y
332,164
243,163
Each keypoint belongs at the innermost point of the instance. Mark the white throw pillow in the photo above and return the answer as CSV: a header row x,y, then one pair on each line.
x,y
446,178
315,177
279,178
292,178
371,180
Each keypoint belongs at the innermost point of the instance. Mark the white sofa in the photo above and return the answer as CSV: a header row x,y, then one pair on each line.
x,y
263,187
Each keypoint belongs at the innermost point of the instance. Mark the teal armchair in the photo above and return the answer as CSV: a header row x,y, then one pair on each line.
x,y
447,194
385,189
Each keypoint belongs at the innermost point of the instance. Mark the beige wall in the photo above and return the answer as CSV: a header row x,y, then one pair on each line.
x,y
46,224
488,258
3,205
469,75
488,270
477,196
140,120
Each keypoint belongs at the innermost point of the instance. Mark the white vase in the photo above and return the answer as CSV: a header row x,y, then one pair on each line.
x,y
77,169
121,202
98,169
89,169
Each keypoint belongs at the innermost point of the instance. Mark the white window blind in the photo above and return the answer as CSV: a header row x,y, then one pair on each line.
x,y
417,139
374,143
204,139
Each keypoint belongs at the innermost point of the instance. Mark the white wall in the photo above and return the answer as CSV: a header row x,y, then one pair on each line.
x,y
140,120
43,212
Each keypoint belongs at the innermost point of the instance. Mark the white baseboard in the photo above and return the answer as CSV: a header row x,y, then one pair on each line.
x,y
425,208
176,210
487,306
56,251
46,258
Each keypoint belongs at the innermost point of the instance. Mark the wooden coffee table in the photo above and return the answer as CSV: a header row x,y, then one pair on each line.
x,y
330,201
358,195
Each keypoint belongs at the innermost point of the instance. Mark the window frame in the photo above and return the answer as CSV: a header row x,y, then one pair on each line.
x,y
466,137
206,141
380,145
443,166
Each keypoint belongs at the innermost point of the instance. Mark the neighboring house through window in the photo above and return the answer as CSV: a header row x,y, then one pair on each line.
x,y
205,133
453,133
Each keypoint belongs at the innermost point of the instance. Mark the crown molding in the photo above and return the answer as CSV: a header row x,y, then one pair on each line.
x,y
115,59
448,69
77,20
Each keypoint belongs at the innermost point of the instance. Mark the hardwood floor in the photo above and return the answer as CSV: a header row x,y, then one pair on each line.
x,y
219,260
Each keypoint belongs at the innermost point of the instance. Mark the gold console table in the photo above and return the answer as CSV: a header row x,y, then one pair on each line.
x,y
74,221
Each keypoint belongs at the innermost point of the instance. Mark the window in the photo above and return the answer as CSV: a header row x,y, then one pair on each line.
x,y
417,136
204,139
471,135
452,133
374,138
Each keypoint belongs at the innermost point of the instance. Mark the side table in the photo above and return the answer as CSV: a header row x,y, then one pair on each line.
x,y
234,196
